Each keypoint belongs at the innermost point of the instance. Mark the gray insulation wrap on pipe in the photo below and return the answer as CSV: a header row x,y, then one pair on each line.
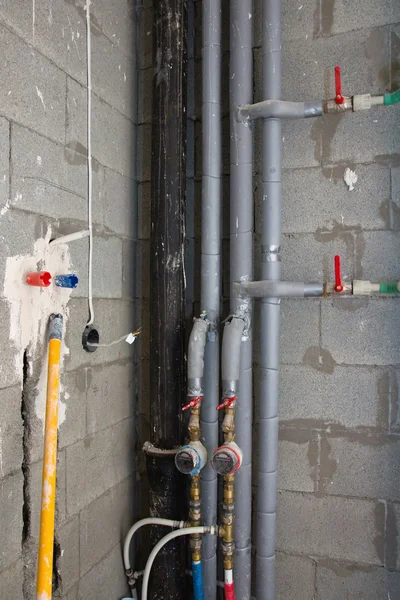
x,y
241,267
270,310
277,289
231,344
197,344
210,274
280,109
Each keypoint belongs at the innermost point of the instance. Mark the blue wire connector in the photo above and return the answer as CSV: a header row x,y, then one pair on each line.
x,y
197,574
66,281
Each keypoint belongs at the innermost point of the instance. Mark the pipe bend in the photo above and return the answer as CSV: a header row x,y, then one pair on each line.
x,y
281,109
277,289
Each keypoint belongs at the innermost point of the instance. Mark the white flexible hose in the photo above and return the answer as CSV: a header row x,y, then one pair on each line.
x,y
138,525
161,544
89,160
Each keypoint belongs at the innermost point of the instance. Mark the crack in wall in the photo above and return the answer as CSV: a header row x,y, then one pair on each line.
x,y
25,467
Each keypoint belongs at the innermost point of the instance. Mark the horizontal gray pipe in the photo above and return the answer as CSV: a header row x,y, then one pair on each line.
x,y
230,357
197,344
279,109
276,289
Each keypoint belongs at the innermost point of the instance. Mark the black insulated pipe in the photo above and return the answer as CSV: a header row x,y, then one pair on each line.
x,y
167,288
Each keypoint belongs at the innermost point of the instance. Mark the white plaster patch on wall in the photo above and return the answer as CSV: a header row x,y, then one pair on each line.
x,y
30,308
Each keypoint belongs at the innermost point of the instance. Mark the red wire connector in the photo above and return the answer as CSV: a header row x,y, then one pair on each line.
x,y
194,403
339,99
38,279
338,277
227,402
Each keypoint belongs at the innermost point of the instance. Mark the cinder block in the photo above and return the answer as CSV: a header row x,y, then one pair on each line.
x,y
144,210
68,538
386,246
379,140
11,501
295,471
395,216
392,541
106,579
4,162
49,179
57,30
97,463
105,522
318,198
110,395
145,95
339,528
142,276
309,257
10,373
107,280
114,318
112,75
365,335
11,430
363,466
120,204
73,395
336,580
73,593
113,135
308,65
340,397
35,492
36,98
362,14
295,577
299,328
116,22
11,582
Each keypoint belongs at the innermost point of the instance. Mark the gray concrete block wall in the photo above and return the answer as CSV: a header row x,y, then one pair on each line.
x,y
43,183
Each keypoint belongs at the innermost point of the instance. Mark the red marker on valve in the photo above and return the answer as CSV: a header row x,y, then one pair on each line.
x,y
227,402
338,277
339,99
38,279
194,403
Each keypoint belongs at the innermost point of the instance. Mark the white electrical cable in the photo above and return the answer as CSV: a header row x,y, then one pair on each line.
x,y
142,523
161,544
89,159
128,337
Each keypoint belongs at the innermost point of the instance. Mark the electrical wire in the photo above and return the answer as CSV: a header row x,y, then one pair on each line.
x,y
89,160
161,544
124,338
138,525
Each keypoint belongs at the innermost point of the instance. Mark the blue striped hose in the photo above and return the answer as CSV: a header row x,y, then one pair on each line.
x,y
197,573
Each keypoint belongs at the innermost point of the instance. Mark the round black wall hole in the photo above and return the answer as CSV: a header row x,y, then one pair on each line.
x,y
90,336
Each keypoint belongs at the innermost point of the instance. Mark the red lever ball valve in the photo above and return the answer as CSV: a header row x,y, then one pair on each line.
x,y
339,99
338,277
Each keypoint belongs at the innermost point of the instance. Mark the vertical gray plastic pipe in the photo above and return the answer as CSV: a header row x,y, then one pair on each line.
x,y
241,268
211,274
270,310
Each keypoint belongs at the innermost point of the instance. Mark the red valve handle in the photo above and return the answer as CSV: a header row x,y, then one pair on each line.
x,y
193,403
338,278
227,402
339,99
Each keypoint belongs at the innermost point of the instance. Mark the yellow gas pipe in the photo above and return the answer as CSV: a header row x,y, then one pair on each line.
x,y
46,537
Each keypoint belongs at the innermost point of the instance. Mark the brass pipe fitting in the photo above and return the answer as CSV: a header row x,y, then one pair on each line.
x,y
194,425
